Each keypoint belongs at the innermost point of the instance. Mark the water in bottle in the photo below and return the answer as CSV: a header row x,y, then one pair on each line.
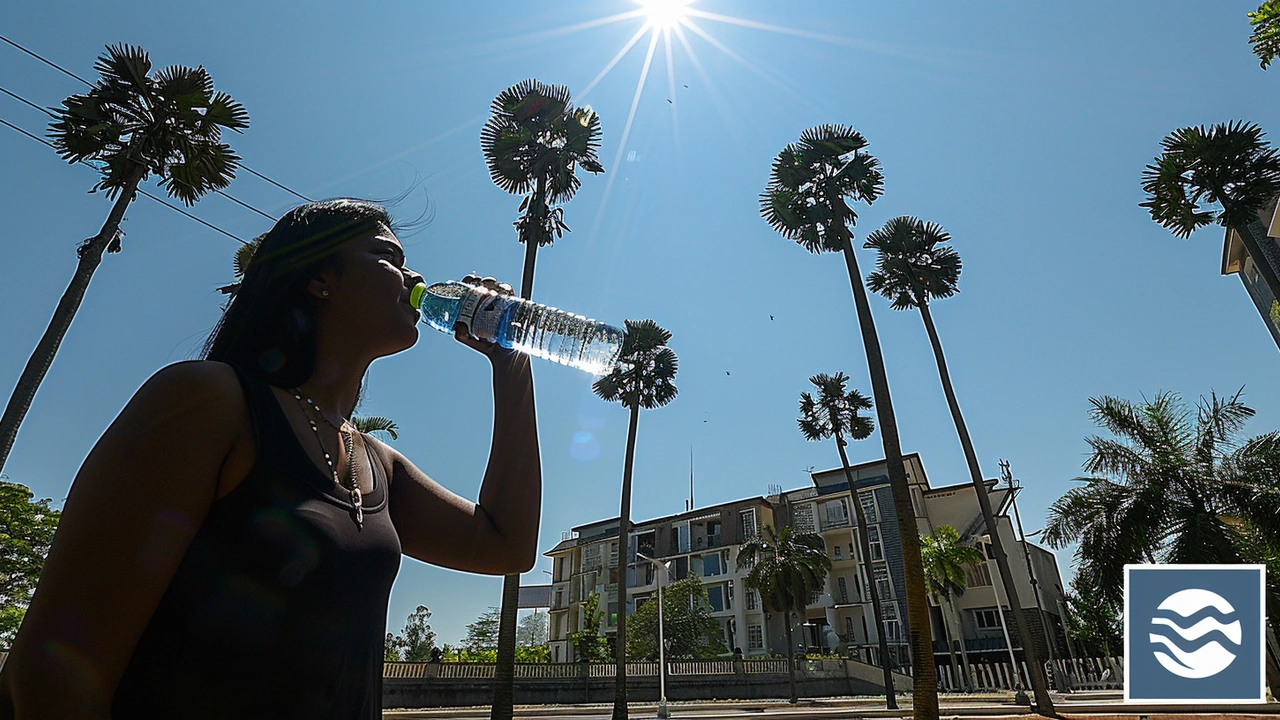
x,y
521,325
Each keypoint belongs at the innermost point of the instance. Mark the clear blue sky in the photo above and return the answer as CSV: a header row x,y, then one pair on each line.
x,y
1023,131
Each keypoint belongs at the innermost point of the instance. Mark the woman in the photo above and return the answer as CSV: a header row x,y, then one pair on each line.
x,y
228,547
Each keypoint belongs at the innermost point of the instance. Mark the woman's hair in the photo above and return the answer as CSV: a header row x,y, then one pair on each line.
x,y
270,324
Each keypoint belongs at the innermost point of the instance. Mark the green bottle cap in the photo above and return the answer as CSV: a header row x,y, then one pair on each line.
x,y
415,295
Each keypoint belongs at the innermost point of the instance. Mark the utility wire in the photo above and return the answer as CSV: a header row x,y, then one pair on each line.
x,y
167,204
226,195
58,67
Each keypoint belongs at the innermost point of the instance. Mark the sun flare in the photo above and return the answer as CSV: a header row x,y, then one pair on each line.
x,y
665,14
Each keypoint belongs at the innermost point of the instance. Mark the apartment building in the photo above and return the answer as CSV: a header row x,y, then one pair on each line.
x,y
704,543
1236,260
701,543
842,619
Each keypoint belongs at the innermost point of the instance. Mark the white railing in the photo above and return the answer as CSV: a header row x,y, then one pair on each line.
x,y
764,666
1074,674
701,667
1091,673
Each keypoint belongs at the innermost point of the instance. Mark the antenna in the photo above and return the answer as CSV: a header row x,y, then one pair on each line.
x,y
690,477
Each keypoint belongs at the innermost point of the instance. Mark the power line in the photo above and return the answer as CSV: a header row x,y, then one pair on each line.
x,y
167,204
61,69
224,194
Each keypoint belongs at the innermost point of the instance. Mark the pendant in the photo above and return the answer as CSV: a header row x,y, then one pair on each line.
x,y
357,502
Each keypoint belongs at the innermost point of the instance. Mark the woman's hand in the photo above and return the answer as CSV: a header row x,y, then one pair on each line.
x,y
495,352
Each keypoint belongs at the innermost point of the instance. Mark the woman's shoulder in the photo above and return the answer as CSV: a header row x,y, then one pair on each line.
x,y
208,387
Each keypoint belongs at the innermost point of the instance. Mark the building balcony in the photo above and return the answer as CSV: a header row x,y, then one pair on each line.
x,y
836,523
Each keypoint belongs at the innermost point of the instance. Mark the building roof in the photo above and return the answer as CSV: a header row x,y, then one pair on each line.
x,y
1233,250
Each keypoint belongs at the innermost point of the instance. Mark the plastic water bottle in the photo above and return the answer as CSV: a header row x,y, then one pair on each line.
x,y
519,324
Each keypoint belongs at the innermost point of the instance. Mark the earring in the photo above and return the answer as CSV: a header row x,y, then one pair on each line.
x,y
324,293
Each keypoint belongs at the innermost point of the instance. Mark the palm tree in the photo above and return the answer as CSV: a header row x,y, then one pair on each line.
x,y
533,143
136,125
376,424
944,560
1266,32
805,201
788,569
833,414
1229,165
643,380
1170,487
914,265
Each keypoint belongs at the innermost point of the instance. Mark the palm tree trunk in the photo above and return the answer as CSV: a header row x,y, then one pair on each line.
x,y
624,530
1253,235
864,545
504,671
925,680
946,633
964,652
791,659
1035,669
532,239
41,359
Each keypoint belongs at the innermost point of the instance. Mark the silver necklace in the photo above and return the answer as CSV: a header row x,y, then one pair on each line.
x,y
352,487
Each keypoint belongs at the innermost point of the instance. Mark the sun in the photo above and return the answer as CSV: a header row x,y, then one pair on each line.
x,y
665,14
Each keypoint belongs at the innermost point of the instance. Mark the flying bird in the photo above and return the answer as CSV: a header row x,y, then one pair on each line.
x,y
770,317
668,99
726,372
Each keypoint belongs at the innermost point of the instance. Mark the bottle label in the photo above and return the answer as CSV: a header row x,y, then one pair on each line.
x,y
482,311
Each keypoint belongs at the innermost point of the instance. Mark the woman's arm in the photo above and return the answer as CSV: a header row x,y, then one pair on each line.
x,y
138,500
499,534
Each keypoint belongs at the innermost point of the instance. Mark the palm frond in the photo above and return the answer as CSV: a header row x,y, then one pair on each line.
x,y
645,374
913,262
1265,38
376,424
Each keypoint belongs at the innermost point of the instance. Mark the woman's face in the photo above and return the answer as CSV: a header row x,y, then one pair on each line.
x,y
369,299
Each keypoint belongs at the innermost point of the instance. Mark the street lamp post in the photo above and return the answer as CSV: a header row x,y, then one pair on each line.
x,y
662,645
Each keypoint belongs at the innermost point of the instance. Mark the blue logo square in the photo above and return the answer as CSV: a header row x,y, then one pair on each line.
x,y
1194,633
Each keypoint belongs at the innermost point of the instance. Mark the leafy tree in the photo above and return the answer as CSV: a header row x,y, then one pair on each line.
x,y
687,626
134,125
1093,624
417,642
483,633
643,379
834,413
805,201
1169,486
914,266
1266,32
532,630
588,645
534,142
788,569
1228,165
27,527
944,560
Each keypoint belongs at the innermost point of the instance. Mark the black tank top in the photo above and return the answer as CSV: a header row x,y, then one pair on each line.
x,y
279,607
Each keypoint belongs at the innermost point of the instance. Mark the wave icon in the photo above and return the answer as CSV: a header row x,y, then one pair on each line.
x,y
1195,651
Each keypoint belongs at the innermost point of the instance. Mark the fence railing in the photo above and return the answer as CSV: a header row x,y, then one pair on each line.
x,y
1073,674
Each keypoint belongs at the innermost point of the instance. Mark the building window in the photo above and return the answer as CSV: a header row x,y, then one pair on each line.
x,y
852,553
977,575
844,589
613,614
753,600
803,517
747,519
836,549
715,595
711,565
869,511
837,513
755,637
883,587
591,557
987,619
873,540
892,627
848,629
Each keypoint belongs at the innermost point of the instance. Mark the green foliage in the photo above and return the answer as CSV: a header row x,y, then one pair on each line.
x,y
1266,32
1275,306
1229,165
835,412
1169,486
482,635
688,628
1093,624
646,370
944,559
810,180
532,630
914,264
374,424
27,527
416,642
588,645
787,568
136,124
533,143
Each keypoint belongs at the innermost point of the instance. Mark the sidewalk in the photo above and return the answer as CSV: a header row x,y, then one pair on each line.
x,y
1090,705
